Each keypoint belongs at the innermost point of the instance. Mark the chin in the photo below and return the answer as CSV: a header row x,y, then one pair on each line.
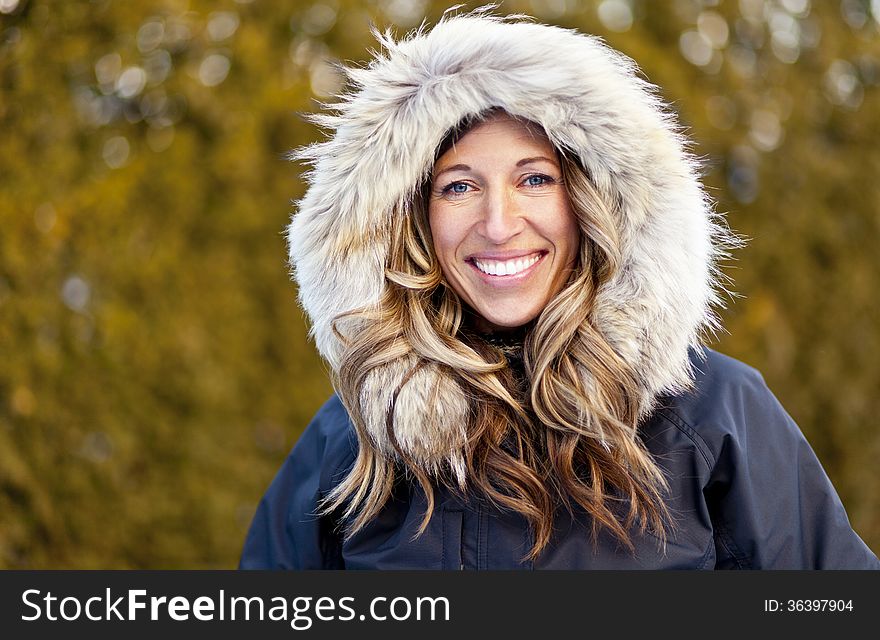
x,y
505,320
510,323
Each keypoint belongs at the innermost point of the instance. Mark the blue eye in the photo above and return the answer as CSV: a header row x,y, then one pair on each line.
x,y
456,188
537,180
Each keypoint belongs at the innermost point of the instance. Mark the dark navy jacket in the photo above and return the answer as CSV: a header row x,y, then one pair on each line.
x,y
747,492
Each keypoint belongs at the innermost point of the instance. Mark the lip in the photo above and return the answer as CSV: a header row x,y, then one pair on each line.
x,y
504,256
504,281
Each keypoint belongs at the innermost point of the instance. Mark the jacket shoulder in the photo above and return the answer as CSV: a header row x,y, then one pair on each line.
x,y
727,396
716,373
287,531
329,441
771,504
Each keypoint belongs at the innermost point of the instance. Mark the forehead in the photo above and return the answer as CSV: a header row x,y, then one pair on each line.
x,y
499,135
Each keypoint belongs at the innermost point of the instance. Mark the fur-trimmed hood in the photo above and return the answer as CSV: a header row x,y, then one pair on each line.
x,y
591,101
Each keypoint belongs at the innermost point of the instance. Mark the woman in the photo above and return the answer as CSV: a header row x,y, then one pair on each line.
x,y
508,261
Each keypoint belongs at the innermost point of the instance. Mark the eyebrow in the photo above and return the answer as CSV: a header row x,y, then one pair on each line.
x,y
535,159
455,167
524,161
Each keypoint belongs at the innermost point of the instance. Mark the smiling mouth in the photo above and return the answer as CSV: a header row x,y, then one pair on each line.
x,y
501,268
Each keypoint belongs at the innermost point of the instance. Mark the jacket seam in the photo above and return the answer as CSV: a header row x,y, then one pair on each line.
x,y
684,427
707,553
726,541
721,530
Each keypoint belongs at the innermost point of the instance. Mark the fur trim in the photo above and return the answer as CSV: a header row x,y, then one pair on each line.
x,y
590,100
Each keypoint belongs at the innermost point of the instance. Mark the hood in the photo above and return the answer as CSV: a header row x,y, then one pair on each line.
x,y
591,101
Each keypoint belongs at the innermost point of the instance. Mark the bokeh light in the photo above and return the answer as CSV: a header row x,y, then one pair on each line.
x,y
615,15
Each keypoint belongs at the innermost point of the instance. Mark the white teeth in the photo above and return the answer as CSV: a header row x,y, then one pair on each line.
x,y
509,268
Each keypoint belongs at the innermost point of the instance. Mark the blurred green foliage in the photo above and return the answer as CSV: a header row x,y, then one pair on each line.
x,y
154,365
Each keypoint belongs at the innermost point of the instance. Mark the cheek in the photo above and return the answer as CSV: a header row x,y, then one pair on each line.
x,y
564,232
444,236
573,239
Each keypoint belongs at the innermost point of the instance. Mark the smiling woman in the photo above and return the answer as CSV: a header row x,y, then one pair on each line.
x,y
509,262
503,229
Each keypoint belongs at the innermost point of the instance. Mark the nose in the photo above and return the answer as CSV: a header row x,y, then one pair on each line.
x,y
501,217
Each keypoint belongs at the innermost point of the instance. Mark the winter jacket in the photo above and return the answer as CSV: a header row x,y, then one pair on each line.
x,y
747,490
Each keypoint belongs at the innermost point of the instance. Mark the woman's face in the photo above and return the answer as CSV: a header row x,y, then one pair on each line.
x,y
501,221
